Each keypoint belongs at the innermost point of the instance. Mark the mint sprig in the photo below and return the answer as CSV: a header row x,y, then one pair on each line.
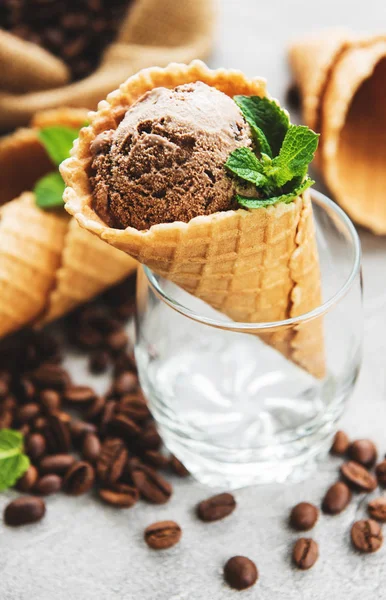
x,y
57,141
13,461
278,167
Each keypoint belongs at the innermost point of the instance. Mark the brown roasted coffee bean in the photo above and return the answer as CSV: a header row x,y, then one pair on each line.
x,y
149,438
95,409
366,535
39,424
57,434
51,376
22,511
134,406
106,416
50,401
380,471
4,388
79,479
99,362
122,426
177,467
124,361
56,463
28,480
117,341
91,447
6,419
27,412
126,383
240,572
336,499
48,484
112,460
79,394
340,444
9,403
79,429
151,485
162,535
35,445
156,459
217,507
25,390
358,476
303,516
121,495
305,553
363,452
377,509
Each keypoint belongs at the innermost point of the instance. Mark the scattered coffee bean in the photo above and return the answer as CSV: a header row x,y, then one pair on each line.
x,y
151,485
149,438
91,448
156,459
28,480
337,498
79,429
363,452
79,478
95,408
134,406
35,445
217,507
51,376
56,463
79,394
50,401
22,511
112,460
162,535
126,383
124,427
27,412
358,476
178,468
48,484
380,471
57,434
377,509
99,362
366,535
117,341
240,572
305,553
121,495
303,516
340,444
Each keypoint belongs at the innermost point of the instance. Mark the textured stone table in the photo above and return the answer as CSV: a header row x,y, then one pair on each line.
x,y
85,551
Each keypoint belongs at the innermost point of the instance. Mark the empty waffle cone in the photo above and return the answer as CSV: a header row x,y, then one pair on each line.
x,y
254,266
347,107
48,264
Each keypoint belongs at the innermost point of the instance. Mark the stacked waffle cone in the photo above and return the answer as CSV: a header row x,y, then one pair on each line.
x,y
342,78
48,264
255,266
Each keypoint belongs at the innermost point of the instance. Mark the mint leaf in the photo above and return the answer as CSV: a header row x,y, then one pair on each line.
x,y
49,191
58,141
13,462
286,198
245,164
267,116
297,151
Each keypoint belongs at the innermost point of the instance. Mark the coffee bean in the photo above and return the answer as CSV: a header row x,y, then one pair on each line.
x,y
51,376
124,361
22,511
107,415
117,341
79,429
126,383
48,484
303,516
27,412
39,425
9,403
4,388
380,471
358,476
340,444
112,460
28,480
6,419
91,448
96,407
50,401
336,499
151,485
363,452
178,468
79,478
162,535
293,97
57,434
79,394
149,438
156,459
99,362
121,495
133,406
240,572
56,463
217,507
124,427
366,535
377,509
305,553
35,445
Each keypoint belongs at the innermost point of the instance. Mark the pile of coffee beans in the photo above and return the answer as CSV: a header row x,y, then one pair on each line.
x,y
77,32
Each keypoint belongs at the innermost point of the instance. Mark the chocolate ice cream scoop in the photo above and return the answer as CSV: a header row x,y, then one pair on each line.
x,y
165,161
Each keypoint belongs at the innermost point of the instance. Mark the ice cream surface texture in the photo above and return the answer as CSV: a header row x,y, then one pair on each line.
x,y
165,161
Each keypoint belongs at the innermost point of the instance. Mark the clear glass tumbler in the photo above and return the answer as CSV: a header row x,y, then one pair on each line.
x,y
234,410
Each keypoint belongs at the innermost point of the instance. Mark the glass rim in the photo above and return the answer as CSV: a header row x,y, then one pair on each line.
x,y
308,316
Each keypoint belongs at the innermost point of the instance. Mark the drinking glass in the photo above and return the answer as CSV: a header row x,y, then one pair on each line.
x,y
233,409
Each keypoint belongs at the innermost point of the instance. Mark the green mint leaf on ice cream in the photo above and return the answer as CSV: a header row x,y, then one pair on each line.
x,y
49,191
279,167
13,461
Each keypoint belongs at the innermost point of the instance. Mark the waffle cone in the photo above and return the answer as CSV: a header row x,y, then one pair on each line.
x,y
254,266
48,264
342,78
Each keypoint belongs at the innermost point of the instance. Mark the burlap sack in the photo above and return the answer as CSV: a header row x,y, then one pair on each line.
x,y
154,33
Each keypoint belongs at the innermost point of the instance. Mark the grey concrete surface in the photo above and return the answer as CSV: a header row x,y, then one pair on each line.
x,y
85,551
